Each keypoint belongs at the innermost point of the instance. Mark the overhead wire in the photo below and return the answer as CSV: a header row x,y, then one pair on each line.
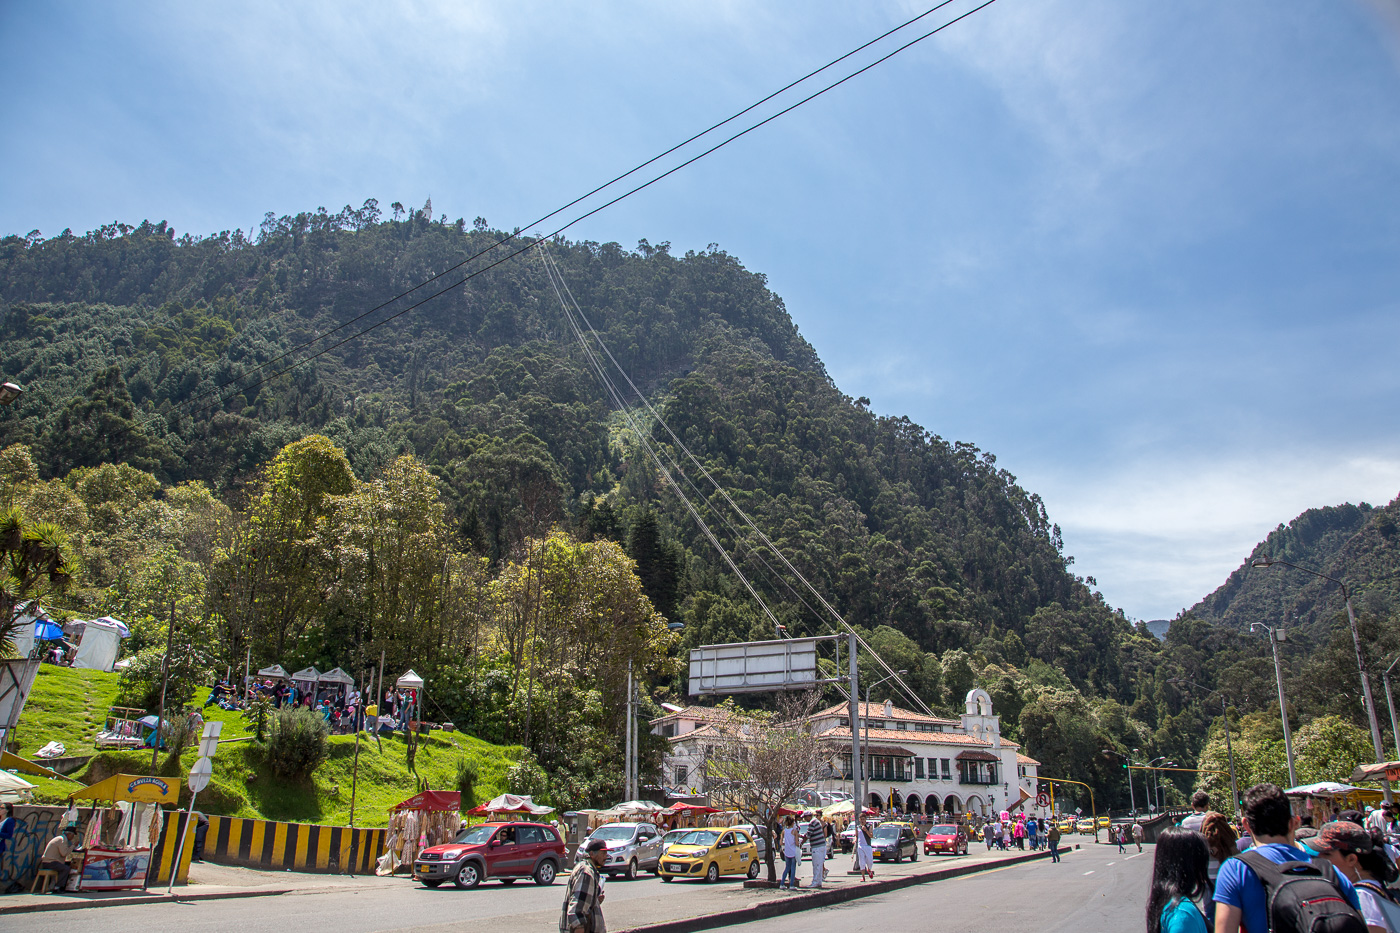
x,y
744,516
605,205
583,197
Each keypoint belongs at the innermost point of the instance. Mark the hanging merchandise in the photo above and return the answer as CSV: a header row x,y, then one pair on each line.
x,y
426,819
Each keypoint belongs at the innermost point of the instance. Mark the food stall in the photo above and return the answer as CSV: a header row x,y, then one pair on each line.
x,y
679,815
305,680
1324,799
117,841
429,818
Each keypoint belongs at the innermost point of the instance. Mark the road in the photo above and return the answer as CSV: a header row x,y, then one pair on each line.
x,y
1094,889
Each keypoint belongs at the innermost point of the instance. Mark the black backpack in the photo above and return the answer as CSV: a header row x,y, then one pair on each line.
x,y
1303,897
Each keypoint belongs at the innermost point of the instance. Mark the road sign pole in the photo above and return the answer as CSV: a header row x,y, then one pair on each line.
x,y
200,774
180,850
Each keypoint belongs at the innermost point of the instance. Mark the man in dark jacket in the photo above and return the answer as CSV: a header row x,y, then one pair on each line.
x,y
583,903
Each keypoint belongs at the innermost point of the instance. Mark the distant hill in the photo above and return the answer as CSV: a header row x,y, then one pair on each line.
x,y
1158,627
1355,543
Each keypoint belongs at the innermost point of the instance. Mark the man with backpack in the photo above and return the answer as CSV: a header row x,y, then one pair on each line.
x,y
1277,887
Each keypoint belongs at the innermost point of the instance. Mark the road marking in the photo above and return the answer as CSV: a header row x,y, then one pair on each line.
x,y
1132,856
1111,863
1089,872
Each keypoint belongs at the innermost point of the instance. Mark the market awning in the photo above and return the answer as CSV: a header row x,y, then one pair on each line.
x,y
11,762
638,806
1385,771
276,671
337,676
676,809
13,788
977,755
432,800
509,803
307,673
409,681
1331,789
131,787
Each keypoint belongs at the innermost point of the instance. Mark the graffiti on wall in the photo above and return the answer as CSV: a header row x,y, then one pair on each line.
x,y
36,826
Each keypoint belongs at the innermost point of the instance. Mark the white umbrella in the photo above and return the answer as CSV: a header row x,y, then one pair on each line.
x,y
13,789
638,806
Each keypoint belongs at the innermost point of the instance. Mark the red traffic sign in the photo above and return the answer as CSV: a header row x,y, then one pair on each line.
x,y
1043,800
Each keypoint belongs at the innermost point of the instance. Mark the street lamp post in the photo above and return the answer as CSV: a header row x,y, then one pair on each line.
x,y
1390,702
1229,746
1360,661
1154,793
1277,635
865,749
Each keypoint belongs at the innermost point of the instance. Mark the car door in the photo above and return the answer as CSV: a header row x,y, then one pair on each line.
x,y
530,843
646,845
727,853
744,855
503,855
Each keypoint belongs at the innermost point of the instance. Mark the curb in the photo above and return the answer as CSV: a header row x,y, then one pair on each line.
x,y
81,904
825,898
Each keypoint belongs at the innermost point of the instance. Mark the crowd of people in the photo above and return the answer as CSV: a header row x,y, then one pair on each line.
x,y
1276,872
344,708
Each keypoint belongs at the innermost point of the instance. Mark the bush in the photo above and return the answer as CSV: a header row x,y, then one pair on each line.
x,y
297,742
139,684
467,776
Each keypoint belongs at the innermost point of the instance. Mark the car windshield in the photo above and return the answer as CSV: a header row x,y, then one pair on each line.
x,y
886,833
944,831
475,835
612,832
700,837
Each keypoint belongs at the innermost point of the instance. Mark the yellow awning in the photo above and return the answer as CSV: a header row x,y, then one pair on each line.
x,y
132,787
9,761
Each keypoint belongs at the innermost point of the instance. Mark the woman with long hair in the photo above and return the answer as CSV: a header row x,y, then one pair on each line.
x,y
1375,873
1179,877
1223,844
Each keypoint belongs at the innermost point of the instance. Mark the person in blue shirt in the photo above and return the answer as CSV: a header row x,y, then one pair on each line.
x,y
1240,899
1179,877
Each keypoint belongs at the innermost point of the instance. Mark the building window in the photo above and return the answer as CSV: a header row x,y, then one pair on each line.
x,y
947,769
682,772
844,721
918,767
668,729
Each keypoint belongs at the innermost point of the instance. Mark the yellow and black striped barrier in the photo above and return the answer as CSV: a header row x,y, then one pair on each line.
x,y
336,850
163,855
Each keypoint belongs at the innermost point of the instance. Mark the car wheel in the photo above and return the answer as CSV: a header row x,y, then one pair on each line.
x,y
666,878
631,874
468,876
507,881
431,884
712,873
753,870
914,856
545,873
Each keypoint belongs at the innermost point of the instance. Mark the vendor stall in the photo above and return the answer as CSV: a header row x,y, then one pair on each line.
x,y
305,681
429,818
509,805
1323,800
117,841
100,643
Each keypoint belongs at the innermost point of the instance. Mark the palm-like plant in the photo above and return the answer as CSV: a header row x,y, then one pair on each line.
x,y
36,561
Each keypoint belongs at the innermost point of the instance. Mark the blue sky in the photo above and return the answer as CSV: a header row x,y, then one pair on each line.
x,y
1147,254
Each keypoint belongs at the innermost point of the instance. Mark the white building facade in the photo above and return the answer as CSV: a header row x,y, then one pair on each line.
x,y
918,763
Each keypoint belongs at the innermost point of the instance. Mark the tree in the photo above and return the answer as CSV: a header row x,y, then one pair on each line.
x,y
758,761
36,562
100,427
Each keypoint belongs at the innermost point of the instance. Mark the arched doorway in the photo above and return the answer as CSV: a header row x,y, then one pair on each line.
x,y
975,805
913,805
876,801
953,805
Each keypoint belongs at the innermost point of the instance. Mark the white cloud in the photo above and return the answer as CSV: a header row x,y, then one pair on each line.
x,y
1159,535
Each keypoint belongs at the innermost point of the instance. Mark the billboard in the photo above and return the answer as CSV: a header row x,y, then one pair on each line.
x,y
754,666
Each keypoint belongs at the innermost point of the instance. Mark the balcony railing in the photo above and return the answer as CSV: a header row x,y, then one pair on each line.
x,y
984,780
896,777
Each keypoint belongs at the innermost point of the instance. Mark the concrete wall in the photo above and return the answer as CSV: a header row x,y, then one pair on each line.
x,y
37,825
337,850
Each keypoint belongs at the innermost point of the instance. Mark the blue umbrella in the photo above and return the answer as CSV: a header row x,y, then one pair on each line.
x,y
47,630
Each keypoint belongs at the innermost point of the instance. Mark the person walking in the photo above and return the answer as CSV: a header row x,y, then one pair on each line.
x,y
1120,836
816,838
1352,850
1221,838
1052,837
1020,834
1137,834
792,853
583,902
1179,878
1033,833
865,853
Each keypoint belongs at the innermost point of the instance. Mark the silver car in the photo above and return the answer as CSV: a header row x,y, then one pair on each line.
x,y
631,846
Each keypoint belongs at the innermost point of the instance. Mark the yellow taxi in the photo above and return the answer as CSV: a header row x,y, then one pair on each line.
x,y
709,853
1086,826
1105,822
1066,826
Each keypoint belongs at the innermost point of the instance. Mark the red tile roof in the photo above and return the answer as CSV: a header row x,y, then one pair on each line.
x,y
877,711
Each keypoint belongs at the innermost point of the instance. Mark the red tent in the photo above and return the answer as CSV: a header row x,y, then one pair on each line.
x,y
509,803
432,800
695,808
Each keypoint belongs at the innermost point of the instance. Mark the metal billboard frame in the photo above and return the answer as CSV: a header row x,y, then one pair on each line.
x,y
755,666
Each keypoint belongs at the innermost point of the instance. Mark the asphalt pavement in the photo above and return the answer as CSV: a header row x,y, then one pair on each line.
x,y
371,905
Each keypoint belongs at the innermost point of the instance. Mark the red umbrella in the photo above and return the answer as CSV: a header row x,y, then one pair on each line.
x,y
696,808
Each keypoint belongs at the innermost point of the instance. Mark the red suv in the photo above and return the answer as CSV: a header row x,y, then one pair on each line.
x,y
508,851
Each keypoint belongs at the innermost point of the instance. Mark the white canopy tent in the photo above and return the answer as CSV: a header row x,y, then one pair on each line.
x,y
100,645
14,789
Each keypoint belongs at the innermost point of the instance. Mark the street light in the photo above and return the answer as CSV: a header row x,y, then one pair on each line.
x,y
1360,662
9,393
865,746
1229,746
1390,702
1277,635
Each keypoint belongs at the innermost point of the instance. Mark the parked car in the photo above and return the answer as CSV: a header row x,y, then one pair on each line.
x,y
945,838
846,839
755,834
709,853
631,846
672,835
504,851
892,841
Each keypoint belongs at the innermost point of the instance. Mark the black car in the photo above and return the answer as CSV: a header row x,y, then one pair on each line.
x,y
892,841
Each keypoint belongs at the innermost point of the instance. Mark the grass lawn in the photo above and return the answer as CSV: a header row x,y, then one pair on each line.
x,y
70,706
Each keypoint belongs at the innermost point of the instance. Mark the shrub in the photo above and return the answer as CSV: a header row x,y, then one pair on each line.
x,y
297,742
139,684
467,776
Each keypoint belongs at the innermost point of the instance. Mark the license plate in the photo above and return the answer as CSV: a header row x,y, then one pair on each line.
x,y
673,866
424,869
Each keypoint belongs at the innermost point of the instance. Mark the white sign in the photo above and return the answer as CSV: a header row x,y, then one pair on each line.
x,y
200,773
754,666
212,729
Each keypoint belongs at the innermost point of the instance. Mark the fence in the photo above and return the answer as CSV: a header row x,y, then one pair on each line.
x,y
339,850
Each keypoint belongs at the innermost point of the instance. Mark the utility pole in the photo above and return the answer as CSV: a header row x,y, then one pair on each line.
x,y
1277,635
1390,702
164,679
857,796
629,741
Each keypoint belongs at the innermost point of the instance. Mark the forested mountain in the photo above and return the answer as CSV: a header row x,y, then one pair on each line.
x,y
474,428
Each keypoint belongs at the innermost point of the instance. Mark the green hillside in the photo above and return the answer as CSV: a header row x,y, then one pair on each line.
x,y
69,706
